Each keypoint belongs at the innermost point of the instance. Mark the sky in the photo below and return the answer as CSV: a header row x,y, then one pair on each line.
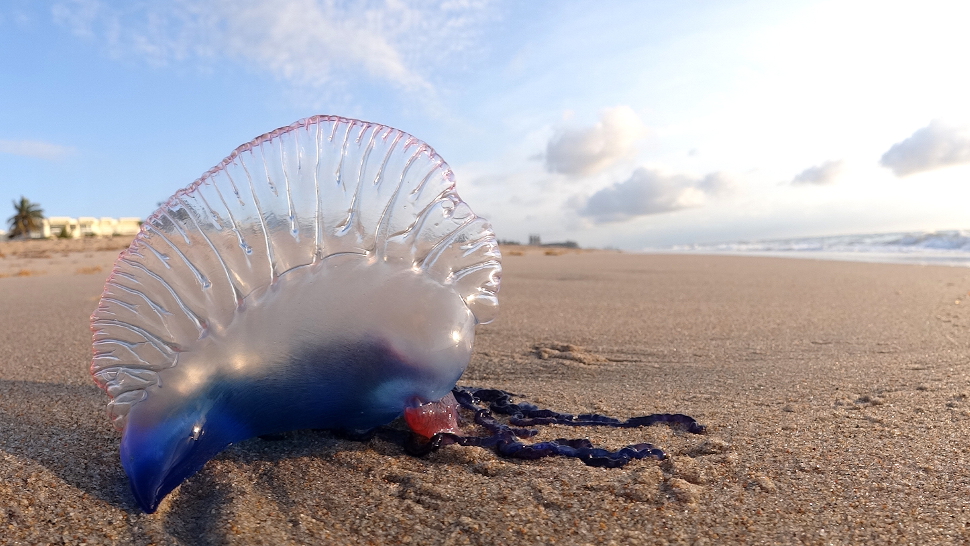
x,y
631,125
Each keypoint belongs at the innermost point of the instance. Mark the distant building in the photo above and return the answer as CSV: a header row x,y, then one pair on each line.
x,y
128,226
58,224
45,231
89,226
86,226
535,240
108,226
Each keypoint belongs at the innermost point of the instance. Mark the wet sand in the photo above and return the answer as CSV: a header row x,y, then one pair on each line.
x,y
837,397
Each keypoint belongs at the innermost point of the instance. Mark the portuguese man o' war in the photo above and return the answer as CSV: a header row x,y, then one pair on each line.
x,y
324,275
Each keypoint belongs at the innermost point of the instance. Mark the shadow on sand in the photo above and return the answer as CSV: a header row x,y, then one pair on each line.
x,y
64,429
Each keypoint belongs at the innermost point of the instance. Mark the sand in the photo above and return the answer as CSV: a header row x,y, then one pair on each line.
x,y
87,256
837,397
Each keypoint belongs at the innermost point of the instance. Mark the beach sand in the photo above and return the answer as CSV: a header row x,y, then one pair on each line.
x,y
836,395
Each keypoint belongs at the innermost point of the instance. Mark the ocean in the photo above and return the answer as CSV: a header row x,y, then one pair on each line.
x,y
928,248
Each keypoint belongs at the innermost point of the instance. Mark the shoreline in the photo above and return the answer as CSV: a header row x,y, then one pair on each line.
x,y
914,257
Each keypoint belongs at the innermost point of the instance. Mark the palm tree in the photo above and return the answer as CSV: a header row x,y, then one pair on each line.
x,y
27,219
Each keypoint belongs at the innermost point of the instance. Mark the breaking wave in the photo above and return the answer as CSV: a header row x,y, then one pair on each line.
x,y
951,247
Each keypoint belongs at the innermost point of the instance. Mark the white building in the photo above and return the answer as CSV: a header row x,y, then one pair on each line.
x,y
108,226
87,226
58,224
45,230
129,226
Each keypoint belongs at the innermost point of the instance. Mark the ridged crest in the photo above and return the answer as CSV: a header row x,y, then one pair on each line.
x,y
290,198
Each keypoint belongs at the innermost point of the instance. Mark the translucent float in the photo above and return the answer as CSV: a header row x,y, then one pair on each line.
x,y
324,275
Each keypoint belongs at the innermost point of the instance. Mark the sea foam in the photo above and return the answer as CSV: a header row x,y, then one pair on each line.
x,y
949,247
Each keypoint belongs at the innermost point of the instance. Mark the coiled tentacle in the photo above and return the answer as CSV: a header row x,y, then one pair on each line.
x,y
504,438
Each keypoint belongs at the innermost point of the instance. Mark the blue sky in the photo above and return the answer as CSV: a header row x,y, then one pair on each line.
x,y
628,124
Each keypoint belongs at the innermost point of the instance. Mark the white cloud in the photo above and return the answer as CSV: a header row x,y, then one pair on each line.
x,y
649,191
313,42
35,148
585,151
935,146
823,174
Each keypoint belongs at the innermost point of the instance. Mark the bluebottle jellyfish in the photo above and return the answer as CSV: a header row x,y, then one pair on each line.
x,y
324,275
